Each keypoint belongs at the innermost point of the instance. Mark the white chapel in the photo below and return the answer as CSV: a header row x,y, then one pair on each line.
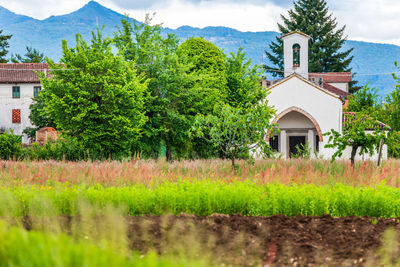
x,y
307,104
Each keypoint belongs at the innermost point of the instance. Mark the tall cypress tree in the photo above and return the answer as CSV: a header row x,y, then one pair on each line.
x,y
3,46
313,18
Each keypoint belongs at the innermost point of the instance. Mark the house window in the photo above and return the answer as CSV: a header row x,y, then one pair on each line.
x,y
16,92
274,143
16,116
317,143
296,56
36,90
320,81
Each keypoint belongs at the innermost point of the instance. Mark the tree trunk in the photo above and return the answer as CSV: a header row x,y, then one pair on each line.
x,y
353,154
233,164
168,153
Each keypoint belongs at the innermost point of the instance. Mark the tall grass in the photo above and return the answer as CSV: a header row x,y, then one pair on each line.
x,y
19,247
97,237
116,173
205,198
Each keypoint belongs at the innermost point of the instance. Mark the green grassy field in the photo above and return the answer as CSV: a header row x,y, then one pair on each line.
x,y
95,198
204,198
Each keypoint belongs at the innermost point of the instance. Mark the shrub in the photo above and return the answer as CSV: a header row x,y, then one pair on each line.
x,y
63,149
10,145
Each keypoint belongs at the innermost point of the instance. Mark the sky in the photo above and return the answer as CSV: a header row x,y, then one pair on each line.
x,y
365,20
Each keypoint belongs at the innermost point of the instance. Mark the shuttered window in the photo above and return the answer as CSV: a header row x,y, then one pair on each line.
x,y
16,116
36,90
16,92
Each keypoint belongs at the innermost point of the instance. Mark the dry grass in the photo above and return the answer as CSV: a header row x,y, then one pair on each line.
x,y
152,172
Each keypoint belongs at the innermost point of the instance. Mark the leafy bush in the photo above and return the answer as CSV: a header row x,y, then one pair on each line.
x,y
302,151
64,149
10,145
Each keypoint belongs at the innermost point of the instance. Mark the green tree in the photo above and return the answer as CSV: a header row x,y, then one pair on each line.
x,y
326,45
390,114
243,81
169,103
182,83
235,131
392,109
31,56
207,67
4,45
37,117
360,132
365,99
392,104
207,85
227,127
95,96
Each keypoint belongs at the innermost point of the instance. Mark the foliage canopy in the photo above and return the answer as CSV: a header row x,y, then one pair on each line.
x,y
95,96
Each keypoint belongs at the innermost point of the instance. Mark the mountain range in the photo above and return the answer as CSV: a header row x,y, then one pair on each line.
x,y
373,62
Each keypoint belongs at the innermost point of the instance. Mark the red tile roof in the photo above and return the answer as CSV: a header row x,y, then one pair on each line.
x,y
21,72
326,86
298,32
333,77
335,90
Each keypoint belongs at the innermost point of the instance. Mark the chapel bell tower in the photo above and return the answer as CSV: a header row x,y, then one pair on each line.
x,y
295,53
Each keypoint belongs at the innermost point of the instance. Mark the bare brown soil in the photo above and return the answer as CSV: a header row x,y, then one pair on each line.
x,y
261,241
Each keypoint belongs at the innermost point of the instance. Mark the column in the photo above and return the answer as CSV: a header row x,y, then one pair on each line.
x,y
283,147
311,141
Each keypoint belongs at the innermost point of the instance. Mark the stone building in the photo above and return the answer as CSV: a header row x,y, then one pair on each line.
x,y
18,85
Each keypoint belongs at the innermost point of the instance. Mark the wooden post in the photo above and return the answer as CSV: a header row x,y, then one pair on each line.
x,y
380,152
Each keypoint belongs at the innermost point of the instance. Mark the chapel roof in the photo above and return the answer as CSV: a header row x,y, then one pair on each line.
x,y
335,90
298,32
21,72
327,88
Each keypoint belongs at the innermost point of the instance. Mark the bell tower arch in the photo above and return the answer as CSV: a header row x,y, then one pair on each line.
x,y
295,53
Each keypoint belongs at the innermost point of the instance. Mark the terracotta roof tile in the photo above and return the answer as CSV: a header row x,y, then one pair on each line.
x,y
21,72
335,90
298,32
333,77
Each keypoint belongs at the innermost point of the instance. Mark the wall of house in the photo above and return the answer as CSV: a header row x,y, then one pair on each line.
x,y
374,157
342,86
7,104
323,107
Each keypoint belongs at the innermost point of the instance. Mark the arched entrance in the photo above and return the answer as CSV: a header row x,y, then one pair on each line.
x,y
297,127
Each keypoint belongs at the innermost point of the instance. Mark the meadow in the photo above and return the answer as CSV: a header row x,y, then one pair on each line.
x,y
148,172
197,213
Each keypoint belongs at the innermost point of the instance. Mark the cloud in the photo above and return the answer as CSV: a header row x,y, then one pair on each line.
x,y
244,17
370,20
139,4
41,9
367,20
